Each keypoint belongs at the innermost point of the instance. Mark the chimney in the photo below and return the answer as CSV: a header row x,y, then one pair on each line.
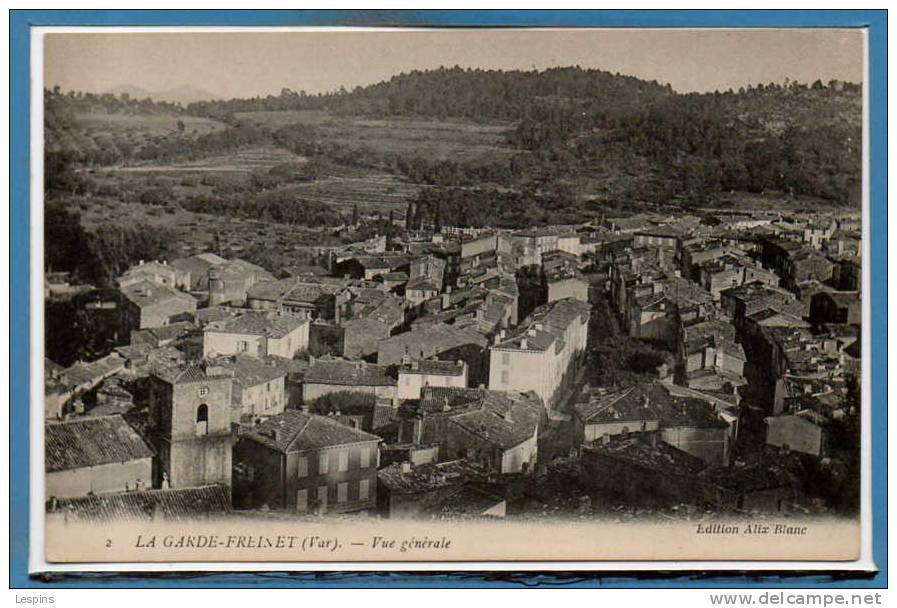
x,y
415,365
406,467
523,344
445,300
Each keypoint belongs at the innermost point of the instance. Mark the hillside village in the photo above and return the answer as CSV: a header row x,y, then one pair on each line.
x,y
681,365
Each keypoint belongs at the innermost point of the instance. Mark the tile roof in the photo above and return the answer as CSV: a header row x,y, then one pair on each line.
x,y
713,332
295,431
433,340
147,293
637,449
463,501
401,479
431,367
197,265
180,374
92,372
546,326
170,504
251,371
293,289
652,399
88,442
631,404
348,373
505,419
257,324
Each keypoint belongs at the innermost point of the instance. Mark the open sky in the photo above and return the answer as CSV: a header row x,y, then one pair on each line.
x,y
249,63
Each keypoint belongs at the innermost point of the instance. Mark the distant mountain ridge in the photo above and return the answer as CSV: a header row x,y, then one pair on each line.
x,y
183,94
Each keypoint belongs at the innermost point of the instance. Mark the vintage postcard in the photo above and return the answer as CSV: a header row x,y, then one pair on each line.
x,y
492,295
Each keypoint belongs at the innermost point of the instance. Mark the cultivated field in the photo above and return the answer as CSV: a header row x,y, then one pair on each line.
x,y
145,124
245,160
431,139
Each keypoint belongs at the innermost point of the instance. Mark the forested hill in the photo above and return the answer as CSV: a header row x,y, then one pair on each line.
x,y
459,93
563,144
796,138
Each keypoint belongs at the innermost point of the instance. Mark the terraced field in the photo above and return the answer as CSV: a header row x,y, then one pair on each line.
x,y
245,160
372,192
431,139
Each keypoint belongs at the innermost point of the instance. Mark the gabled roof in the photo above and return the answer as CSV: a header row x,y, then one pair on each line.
x,y
198,264
650,401
177,374
431,367
637,449
257,324
249,371
435,339
348,373
545,326
295,431
504,419
170,504
147,293
89,442
631,404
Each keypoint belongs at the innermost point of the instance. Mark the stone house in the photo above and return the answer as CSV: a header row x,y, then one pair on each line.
x,y
306,464
326,376
94,455
148,304
257,334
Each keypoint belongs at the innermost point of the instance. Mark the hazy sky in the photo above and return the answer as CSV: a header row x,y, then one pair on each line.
x,y
243,64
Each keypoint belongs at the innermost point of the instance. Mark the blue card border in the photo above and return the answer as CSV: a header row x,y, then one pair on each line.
x,y
22,20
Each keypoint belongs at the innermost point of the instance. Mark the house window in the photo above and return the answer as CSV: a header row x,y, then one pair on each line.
x,y
504,376
303,466
506,358
344,460
203,391
342,492
365,458
302,500
242,346
323,463
202,420
364,489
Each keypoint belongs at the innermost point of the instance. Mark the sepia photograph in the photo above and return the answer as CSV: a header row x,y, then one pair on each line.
x,y
422,295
